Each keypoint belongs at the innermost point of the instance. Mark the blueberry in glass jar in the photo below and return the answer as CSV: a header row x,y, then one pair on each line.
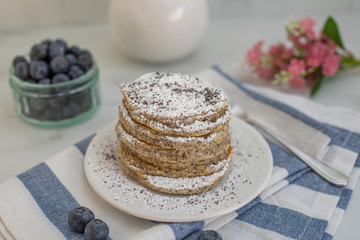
x,y
59,64
75,71
44,81
22,70
60,78
29,80
74,50
84,99
46,42
55,85
85,60
39,52
38,69
37,103
57,48
52,114
18,59
57,102
37,114
71,58
71,109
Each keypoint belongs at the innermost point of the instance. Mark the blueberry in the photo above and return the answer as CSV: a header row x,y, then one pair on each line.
x,y
39,52
209,235
61,77
71,109
79,217
74,50
75,71
44,81
57,102
22,70
96,230
29,80
52,114
85,60
38,69
18,59
59,64
37,103
84,99
57,48
47,42
86,53
37,114
71,58
62,41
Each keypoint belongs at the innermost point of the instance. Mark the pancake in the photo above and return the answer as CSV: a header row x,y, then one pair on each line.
x,y
173,132
180,185
177,104
134,161
146,134
170,155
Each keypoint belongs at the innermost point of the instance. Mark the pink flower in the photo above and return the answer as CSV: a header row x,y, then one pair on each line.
x,y
316,54
276,49
288,53
280,51
296,67
264,72
254,54
310,35
307,24
298,82
299,41
279,63
331,47
330,65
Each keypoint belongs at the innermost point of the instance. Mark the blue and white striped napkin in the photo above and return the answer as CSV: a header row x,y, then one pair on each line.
x,y
296,204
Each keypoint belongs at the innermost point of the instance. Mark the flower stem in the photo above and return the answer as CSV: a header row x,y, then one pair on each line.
x,y
317,86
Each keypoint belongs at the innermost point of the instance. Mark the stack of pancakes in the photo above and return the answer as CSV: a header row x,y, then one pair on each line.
x,y
174,133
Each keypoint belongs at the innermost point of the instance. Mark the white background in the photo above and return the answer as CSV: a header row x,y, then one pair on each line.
x,y
19,15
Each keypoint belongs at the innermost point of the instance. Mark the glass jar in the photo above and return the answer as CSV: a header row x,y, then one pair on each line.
x,y
58,104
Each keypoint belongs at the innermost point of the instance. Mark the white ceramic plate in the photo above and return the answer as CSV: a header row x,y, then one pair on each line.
x,y
248,174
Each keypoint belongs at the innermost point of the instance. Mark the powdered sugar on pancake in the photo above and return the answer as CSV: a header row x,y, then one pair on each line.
x,y
181,184
155,137
196,129
170,96
167,155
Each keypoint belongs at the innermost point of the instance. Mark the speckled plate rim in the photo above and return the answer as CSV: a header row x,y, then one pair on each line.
x,y
267,168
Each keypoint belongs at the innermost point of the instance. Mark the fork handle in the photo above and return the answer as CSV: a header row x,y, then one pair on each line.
x,y
328,173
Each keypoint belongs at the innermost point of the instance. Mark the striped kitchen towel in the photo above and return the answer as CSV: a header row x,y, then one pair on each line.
x,y
296,204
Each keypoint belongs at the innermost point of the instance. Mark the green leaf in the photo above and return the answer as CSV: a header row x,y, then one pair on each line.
x,y
348,62
288,32
331,30
317,86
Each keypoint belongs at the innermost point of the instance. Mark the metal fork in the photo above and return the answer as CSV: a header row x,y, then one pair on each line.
x,y
328,173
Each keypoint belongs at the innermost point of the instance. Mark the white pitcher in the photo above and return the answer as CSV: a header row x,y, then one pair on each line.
x,y
158,30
